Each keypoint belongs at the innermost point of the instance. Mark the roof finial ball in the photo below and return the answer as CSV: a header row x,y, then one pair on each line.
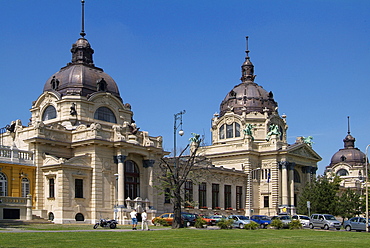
x,y
83,19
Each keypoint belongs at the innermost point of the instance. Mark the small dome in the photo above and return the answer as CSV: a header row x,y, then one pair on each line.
x,y
81,77
349,154
248,97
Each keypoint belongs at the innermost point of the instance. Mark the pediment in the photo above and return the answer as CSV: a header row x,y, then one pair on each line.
x,y
304,151
82,160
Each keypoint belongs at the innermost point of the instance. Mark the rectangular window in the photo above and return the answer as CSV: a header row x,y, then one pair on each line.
x,y
227,193
215,196
266,202
188,192
239,197
229,131
51,188
222,132
79,188
202,195
237,130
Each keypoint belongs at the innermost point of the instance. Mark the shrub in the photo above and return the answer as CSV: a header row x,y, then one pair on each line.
x,y
160,222
276,223
200,222
295,224
225,223
251,226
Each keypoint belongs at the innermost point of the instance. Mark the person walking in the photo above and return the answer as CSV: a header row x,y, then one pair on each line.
x,y
133,216
144,221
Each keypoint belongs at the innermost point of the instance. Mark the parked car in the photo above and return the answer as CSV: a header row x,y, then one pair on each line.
x,y
305,220
355,223
262,220
217,217
324,221
285,219
210,221
239,220
187,218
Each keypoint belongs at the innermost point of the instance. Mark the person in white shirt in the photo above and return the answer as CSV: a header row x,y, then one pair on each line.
x,y
144,220
133,216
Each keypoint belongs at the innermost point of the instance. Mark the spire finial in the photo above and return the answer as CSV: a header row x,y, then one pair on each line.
x,y
246,50
83,19
349,131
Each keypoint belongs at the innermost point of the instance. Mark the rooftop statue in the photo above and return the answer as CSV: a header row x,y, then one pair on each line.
x,y
248,130
273,130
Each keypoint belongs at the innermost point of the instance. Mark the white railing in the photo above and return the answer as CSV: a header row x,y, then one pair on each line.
x,y
15,155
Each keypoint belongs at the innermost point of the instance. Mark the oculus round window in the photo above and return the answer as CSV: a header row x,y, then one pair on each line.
x,y
49,113
105,114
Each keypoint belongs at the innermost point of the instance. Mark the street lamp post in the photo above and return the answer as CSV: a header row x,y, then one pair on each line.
x,y
177,116
367,190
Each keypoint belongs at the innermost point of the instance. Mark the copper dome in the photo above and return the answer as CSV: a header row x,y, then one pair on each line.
x,y
81,77
349,154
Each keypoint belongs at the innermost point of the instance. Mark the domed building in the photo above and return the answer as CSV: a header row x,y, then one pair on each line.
x,y
249,136
349,164
88,155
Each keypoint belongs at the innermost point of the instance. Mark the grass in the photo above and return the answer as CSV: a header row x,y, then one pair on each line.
x,y
180,238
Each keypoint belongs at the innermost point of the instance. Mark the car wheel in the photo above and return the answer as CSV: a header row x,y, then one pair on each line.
x,y
326,227
338,229
241,226
311,226
262,226
188,223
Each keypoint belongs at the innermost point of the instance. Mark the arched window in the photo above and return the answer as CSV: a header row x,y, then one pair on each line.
x,y
25,187
342,172
229,131
132,180
105,114
51,216
79,217
297,178
49,113
3,185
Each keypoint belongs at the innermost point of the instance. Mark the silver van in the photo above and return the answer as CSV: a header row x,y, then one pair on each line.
x,y
325,221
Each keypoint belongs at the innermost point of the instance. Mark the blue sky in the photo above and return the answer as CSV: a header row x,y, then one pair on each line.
x,y
167,56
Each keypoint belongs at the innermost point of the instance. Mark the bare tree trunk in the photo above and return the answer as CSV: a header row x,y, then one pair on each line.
x,y
177,221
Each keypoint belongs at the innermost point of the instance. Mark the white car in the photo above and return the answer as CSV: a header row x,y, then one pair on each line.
x,y
305,220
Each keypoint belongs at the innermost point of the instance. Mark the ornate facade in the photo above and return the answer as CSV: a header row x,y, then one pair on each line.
x,y
349,164
249,136
88,154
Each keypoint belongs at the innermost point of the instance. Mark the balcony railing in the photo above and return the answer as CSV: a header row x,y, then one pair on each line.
x,y
10,154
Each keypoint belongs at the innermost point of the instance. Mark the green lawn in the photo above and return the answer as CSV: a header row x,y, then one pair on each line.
x,y
184,238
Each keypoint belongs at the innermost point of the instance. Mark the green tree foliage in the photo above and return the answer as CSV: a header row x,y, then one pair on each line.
x,y
322,194
349,203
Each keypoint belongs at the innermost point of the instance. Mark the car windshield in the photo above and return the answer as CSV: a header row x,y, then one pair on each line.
x,y
265,218
329,217
243,217
304,218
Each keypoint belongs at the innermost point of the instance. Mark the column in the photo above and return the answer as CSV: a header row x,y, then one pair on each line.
x,y
291,182
284,183
121,180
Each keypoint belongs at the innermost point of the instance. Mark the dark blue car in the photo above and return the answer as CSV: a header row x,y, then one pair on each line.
x,y
262,220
